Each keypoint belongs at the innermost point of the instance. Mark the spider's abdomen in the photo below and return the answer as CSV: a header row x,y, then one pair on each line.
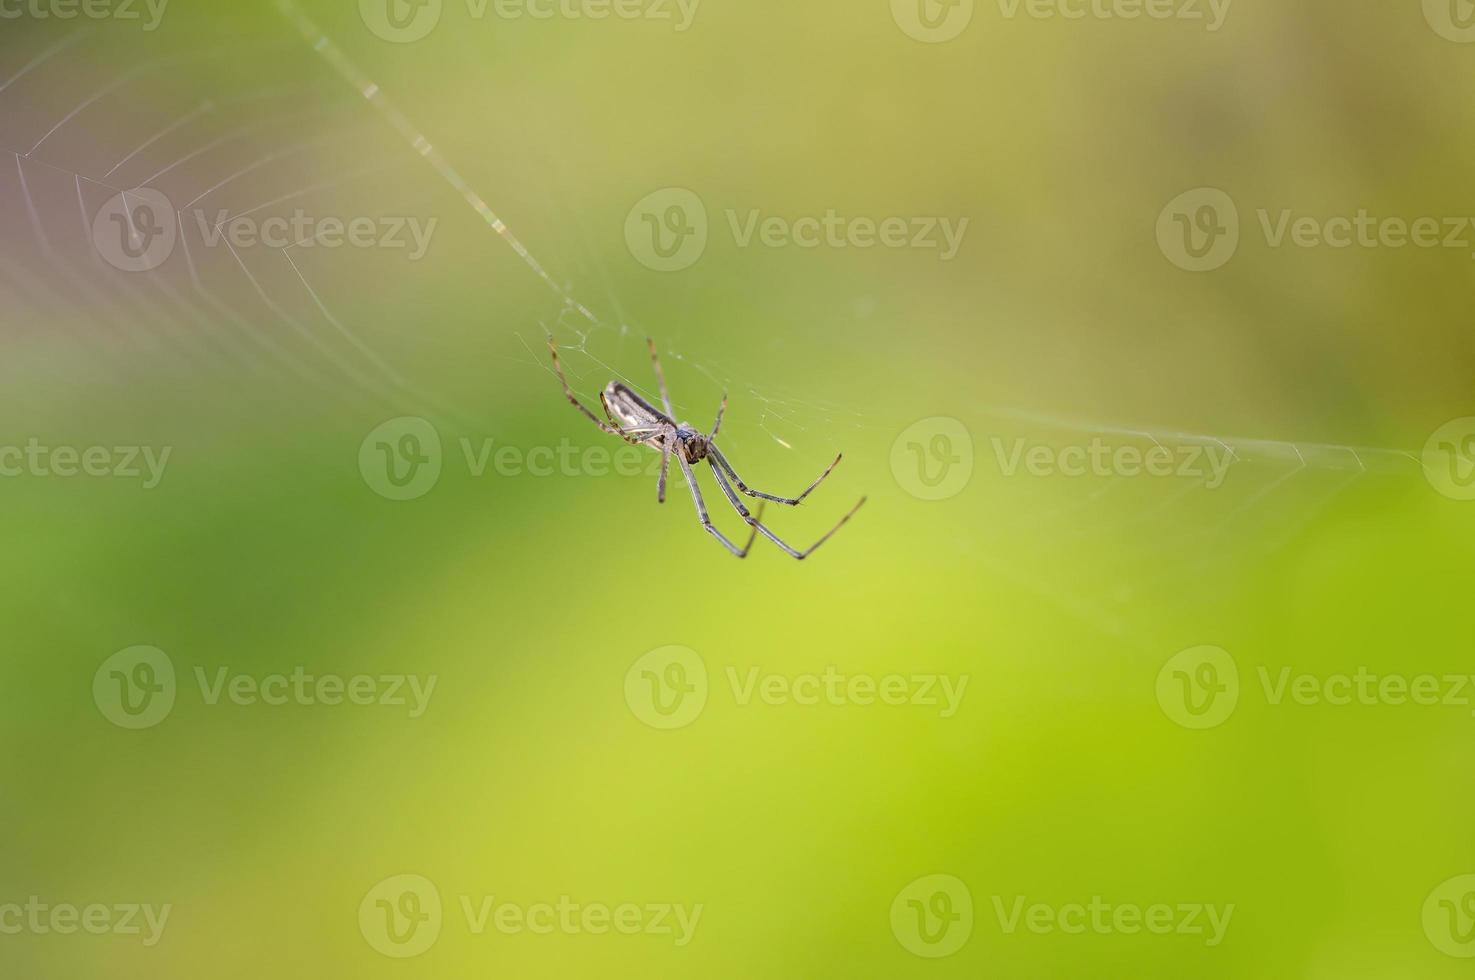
x,y
629,410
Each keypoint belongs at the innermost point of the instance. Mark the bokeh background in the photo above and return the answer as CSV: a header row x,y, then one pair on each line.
x,y
1064,776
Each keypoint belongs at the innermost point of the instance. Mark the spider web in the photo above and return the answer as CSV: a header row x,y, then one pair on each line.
x,y
1135,540
242,150
325,135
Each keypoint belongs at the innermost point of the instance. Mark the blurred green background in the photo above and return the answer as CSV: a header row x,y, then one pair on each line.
x,y
536,770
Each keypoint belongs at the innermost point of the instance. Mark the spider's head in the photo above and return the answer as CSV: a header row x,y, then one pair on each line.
x,y
693,444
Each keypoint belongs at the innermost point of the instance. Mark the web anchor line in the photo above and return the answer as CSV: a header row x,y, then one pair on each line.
x,y
369,90
351,73
1363,460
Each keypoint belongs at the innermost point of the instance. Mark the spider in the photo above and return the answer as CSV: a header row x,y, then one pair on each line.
x,y
640,423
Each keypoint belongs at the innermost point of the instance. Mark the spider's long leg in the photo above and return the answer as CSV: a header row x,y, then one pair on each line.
x,y
757,521
574,399
786,501
660,376
721,411
665,468
696,496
